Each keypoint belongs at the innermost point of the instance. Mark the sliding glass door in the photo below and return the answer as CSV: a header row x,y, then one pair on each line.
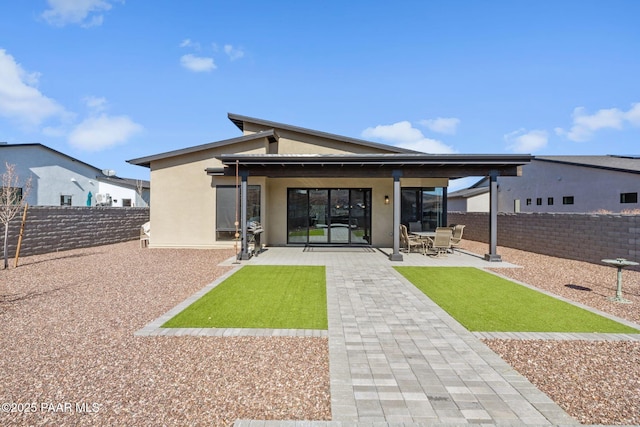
x,y
329,216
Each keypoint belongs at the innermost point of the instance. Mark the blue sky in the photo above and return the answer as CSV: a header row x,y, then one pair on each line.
x,y
107,80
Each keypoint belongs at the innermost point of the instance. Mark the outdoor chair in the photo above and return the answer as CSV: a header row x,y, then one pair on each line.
x,y
410,242
441,243
145,234
456,237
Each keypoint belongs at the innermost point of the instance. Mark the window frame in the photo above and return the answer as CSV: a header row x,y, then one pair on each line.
x,y
627,198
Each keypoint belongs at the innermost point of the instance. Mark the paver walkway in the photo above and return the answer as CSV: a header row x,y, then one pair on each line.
x,y
397,359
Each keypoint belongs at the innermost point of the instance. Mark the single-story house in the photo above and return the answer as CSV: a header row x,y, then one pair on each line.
x,y
58,179
305,187
576,184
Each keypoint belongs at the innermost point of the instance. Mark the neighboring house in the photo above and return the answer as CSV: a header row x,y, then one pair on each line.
x,y
580,184
472,199
61,180
304,186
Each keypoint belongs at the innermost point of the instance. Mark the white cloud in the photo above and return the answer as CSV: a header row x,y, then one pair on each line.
x,y
633,115
190,43
95,104
447,125
233,53
197,64
404,135
101,132
86,13
523,141
20,99
585,125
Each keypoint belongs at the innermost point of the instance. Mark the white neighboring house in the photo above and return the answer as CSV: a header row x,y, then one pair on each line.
x,y
61,180
578,184
472,199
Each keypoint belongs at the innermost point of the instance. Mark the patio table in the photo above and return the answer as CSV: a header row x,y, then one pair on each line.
x,y
424,234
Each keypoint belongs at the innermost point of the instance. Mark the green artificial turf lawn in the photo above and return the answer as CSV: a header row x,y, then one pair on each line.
x,y
481,301
261,296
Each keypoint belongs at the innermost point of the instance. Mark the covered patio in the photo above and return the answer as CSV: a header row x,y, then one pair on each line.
x,y
393,168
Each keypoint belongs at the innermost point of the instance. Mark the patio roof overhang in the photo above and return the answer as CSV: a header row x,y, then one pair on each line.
x,y
371,165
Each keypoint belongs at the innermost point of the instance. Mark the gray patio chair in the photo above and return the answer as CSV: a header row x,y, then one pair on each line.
x,y
441,243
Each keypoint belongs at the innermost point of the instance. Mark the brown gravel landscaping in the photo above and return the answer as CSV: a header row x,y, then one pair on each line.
x,y
69,355
595,382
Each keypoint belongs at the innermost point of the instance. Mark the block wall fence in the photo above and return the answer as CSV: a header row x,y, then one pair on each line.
x,y
582,237
59,228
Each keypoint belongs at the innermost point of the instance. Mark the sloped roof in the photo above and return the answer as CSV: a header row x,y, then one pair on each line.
x,y
99,172
468,192
240,120
44,147
618,163
146,161
127,182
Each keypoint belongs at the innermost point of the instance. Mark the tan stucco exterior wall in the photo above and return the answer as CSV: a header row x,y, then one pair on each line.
x,y
184,196
295,143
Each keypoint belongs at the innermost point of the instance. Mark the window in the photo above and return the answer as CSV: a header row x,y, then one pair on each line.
x,y
126,203
424,205
226,209
65,200
10,195
567,200
539,201
628,197
528,202
550,201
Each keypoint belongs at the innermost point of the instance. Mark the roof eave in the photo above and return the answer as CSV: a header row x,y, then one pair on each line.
x,y
271,135
239,121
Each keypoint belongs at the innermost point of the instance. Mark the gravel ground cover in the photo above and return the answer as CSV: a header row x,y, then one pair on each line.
x,y
68,352
69,356
595,382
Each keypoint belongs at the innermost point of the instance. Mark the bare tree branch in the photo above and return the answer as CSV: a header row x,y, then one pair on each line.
x,y
13,196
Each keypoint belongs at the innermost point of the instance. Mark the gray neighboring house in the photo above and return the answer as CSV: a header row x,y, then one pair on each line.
x,y
471,199
578,184
61,180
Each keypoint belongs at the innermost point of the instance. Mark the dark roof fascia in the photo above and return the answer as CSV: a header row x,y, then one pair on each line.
x,y
567,160
271,135
37,144
375,159
239,120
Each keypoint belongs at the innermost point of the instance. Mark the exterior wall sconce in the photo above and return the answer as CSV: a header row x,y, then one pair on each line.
x,y
386,200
